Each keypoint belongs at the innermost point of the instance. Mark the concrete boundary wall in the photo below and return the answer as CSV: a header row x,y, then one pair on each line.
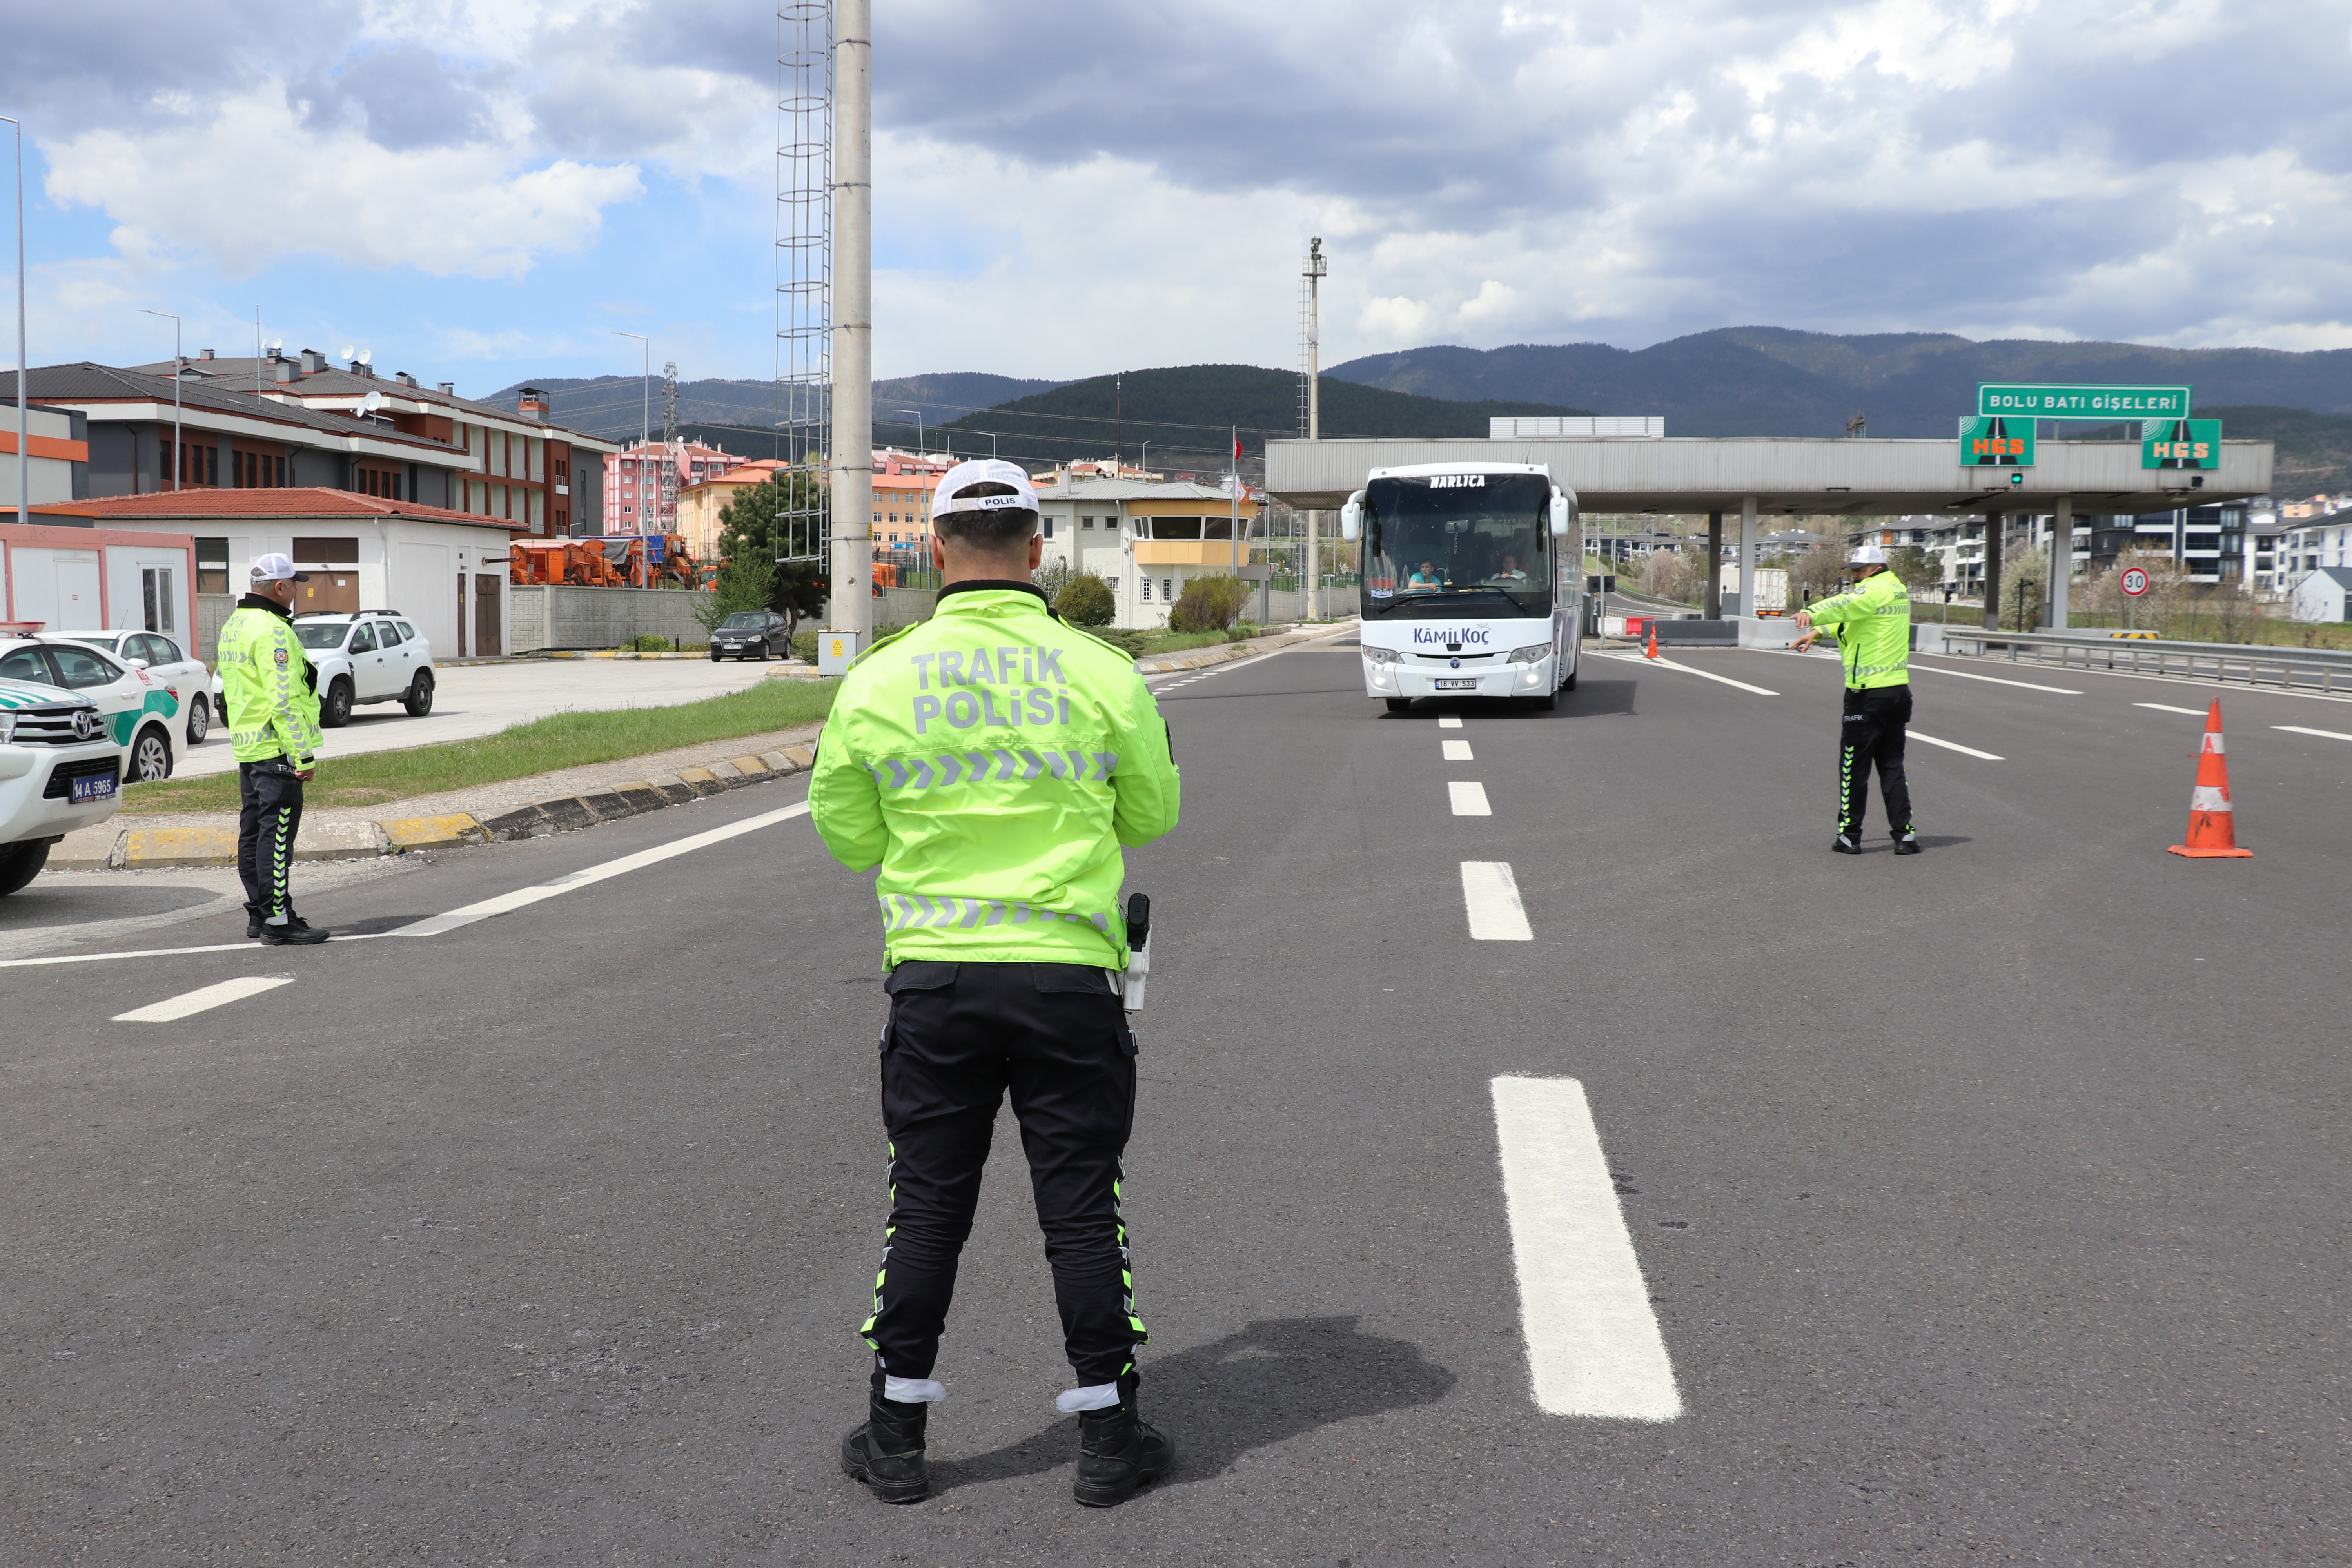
x,y
564,617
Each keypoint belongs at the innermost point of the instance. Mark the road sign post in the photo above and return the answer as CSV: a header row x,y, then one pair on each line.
x,y
2134,583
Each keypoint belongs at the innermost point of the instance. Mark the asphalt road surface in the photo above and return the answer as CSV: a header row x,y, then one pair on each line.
x,y
472,700
1760,1205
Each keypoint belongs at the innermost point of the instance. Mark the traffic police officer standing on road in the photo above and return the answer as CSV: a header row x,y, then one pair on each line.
x,y
273,723
992,760
1873,625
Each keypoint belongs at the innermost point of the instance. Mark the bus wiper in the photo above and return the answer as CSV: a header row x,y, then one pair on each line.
x,y
1516,603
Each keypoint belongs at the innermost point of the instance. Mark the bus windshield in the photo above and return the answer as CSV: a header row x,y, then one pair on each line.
x,y
1451,544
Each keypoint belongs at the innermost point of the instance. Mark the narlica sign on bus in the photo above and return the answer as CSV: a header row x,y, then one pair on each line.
x,y
1998,400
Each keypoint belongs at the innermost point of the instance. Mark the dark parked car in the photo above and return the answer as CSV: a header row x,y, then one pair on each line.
x,y
749,634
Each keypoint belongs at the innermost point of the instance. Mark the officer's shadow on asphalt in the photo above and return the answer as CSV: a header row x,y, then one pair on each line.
x,y
1264,1384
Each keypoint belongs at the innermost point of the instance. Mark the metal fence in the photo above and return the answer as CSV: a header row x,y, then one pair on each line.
x,y
2308,669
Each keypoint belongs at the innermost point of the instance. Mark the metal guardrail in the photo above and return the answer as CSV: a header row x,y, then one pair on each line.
x,y
2298,670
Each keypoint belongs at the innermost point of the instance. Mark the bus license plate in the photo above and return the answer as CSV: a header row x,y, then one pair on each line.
x,y
1470,684
98,786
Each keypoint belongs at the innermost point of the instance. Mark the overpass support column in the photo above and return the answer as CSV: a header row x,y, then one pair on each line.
x,y
2062,559
1992,570
1747,556
1711,602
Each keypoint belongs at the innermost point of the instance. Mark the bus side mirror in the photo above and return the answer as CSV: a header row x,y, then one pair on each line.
x,y
1351,517
1558,515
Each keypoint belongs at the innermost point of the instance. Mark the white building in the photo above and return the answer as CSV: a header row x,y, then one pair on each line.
x,y
2325,594
60,444
445,571
1146,541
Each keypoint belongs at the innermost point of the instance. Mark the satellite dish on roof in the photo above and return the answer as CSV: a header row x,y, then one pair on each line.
x,y
372,402
366,355
347,351
277,344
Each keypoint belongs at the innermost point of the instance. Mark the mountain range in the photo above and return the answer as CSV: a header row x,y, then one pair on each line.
x,y
1771,381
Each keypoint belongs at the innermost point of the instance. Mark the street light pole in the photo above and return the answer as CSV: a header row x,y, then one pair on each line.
x,y
179,457
24,451
918,426
645,425
853,320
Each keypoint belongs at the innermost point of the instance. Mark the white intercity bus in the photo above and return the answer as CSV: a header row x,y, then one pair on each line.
x,y
1474,581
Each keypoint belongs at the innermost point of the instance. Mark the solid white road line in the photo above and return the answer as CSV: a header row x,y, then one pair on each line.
x,y
1455,751
1594,1344
204,999
1954,746
1450,721
1491,895
2169,707
1686,669
167,952
1997,680
522,897
1469,799
2323,734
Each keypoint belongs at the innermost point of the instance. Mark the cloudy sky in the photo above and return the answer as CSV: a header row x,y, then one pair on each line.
x,y
485,190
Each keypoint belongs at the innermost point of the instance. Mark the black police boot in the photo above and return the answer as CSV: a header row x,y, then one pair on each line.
x,y
254,923
1845,845
1906,843
295,932
1118,1452
887,1451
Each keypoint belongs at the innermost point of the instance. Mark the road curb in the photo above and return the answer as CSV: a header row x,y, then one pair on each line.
x,y
104,847
1169,664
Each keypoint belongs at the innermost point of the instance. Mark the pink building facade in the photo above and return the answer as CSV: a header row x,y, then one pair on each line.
x,y
641,483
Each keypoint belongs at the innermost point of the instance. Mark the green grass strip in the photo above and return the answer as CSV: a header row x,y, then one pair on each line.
x,y
539,746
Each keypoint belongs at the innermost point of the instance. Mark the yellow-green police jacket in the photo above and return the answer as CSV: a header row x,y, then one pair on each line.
x,y
1872,627
992,760
273,699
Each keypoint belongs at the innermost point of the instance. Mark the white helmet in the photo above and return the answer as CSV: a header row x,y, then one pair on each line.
x,y
1867,556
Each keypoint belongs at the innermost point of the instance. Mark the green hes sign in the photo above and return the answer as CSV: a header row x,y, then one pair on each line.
x,y
2180,444
1996,443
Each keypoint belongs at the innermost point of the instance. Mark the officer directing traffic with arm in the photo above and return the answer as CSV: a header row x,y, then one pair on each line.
x,y
992,760
273,724
1872,624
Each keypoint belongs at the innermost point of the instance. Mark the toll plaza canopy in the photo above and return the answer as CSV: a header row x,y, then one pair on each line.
x,y
1766,475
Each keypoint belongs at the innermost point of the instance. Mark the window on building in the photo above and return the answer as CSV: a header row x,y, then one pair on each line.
x,y
212,566
1145,592
1085,522
1168,589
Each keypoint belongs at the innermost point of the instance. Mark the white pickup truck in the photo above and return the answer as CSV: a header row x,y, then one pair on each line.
x,y
60,768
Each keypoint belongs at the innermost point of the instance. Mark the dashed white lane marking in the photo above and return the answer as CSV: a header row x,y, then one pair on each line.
x,y
1491,895
168,952
2169,707
1455,751
521,898
1955,746
1469,799
1450,721
2323,734
1594,1344
204,999
1997,680
1686,669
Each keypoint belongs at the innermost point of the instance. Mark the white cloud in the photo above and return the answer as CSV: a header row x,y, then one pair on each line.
x,y
252,185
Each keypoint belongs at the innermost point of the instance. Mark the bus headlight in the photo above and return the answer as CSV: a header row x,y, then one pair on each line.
x,y
1534,653
1383,656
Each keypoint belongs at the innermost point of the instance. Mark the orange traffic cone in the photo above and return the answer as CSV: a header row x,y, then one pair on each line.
x,y
2211,836
1653,651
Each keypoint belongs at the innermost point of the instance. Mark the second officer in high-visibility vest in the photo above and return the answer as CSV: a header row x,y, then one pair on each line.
x,y
992,762
273,725
1872,624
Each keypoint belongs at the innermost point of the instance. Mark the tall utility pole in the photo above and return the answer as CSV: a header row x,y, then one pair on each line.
x,y
179,456
23,451
853,320
1312,334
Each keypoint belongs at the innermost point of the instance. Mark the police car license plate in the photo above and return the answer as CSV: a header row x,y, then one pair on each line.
x,y
1470,684
100,786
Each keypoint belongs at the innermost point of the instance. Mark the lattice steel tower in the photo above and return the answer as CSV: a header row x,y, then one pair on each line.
x,y
803,272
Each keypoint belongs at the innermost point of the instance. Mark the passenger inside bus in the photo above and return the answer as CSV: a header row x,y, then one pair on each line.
x,y
1424,575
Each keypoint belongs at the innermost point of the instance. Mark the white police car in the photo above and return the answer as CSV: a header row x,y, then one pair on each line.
x,y
59,770
180,674
140,711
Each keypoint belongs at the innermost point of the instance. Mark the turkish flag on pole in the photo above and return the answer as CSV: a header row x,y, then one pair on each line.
x,y
1237,448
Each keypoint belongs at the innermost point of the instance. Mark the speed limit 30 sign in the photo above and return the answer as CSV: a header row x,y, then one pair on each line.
x,y
2132,582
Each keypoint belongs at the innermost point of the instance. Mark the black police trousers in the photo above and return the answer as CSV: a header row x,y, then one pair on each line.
x,y
269,814
959,1037
1871,734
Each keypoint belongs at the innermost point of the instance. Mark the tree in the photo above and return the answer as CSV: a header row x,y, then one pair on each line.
x,y
744,583
1208,604
1050,578
1819,574
1914,565
746,533
2024,588
1087,601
